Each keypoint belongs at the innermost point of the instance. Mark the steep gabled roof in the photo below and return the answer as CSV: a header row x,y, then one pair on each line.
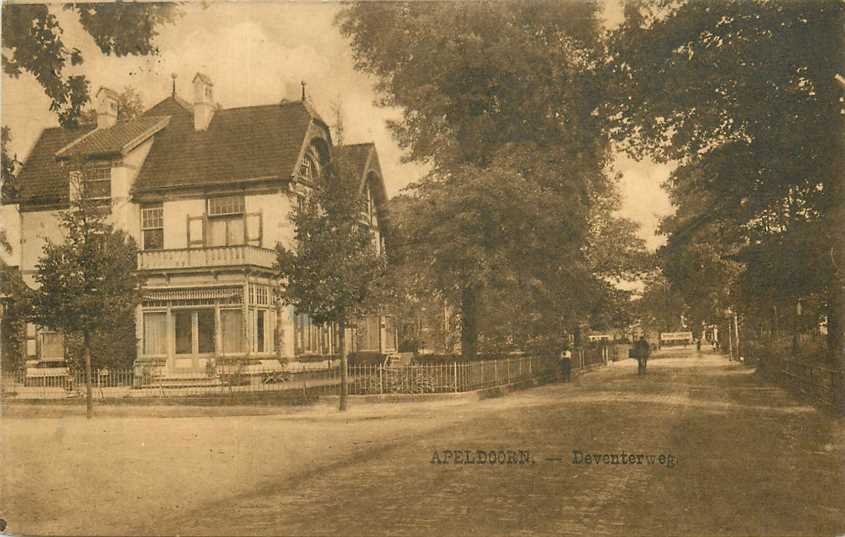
x,y
364,159
356,155
171,106
42,179
240,144
116,140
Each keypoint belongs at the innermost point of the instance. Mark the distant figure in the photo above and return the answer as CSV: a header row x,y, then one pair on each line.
x,y
641,353
566,365
698,344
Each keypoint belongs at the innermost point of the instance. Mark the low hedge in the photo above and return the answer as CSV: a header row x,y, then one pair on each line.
x,y
366,358
437,359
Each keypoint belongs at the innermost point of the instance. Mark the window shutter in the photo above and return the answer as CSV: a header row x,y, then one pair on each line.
x,y
196,232
254,231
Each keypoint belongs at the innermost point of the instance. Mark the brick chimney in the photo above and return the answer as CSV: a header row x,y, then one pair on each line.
x,y
203,101
106,106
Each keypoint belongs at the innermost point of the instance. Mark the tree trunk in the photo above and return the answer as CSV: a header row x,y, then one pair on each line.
x,y
836,214
835,341
89,396
344,373
469,322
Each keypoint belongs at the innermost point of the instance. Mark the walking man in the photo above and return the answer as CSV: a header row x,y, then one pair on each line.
x,y
566,365
642,352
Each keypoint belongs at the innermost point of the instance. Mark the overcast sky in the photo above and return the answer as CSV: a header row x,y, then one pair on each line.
x,y
257,53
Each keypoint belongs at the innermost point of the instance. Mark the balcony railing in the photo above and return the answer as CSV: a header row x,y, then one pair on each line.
x,y
214,256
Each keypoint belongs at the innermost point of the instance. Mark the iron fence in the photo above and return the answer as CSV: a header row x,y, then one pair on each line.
x,y
362,380
811,380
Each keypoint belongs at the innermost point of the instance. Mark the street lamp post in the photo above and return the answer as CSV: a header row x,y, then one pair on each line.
x,y
728,313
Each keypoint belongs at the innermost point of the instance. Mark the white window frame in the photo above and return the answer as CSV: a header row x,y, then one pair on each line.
x,y
238,206
92,175
147,226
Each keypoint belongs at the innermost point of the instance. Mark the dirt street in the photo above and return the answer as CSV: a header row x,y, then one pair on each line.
x,y
746,459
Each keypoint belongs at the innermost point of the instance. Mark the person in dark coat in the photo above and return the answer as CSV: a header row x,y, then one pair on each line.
x,y
643,350
566,365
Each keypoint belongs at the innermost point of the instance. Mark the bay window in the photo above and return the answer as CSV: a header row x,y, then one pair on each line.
x,y
155,333
232,330
194,331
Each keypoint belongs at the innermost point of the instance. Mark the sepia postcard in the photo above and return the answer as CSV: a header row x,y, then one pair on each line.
x,y
489,268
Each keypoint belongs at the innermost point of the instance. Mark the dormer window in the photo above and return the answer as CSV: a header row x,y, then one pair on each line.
x,y
93,183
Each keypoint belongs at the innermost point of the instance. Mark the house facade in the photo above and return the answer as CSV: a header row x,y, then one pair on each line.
x,y
207,194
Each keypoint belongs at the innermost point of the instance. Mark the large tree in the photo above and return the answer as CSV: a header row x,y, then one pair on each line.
x,y
33,43
492,230
660,308
87,282
501,100
333,265
742,94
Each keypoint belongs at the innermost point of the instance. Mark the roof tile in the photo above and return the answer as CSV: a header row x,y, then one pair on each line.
x,y
42,180
116,139
239,144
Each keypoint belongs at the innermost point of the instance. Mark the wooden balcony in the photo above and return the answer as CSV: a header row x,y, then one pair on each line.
x,y
214,256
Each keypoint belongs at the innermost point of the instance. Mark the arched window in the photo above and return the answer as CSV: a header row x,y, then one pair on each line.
x,y
308,169
312,161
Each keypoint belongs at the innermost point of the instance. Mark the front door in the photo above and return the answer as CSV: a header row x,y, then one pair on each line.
x,y
194,331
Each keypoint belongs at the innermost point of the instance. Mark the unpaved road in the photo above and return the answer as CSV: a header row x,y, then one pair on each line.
x,y
748,461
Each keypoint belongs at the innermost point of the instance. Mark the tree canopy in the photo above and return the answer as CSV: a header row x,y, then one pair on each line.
x,y
33,43
502,100
9,164
333,264
742,95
